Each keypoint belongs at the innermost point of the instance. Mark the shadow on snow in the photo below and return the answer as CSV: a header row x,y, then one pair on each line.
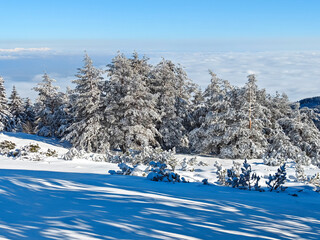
x,y
55,205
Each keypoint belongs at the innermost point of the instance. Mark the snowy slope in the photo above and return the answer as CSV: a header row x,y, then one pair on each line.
x,y
57,199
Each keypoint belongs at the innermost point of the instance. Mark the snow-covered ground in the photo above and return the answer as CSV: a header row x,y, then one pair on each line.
x,y
78,199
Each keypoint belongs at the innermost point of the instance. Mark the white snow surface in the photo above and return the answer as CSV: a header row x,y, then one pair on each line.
x,y
78,199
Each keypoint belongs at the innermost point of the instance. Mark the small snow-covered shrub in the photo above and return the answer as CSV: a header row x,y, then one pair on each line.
x,y
6,146
96,157
270,161
221,173
144,157
205,181
159,173
125,170
277,180
299,172
137,170
186,166
32,147
71,154
315,181
51,153
29,152
202,164
244,179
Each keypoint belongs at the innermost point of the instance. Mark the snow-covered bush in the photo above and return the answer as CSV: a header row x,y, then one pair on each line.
x,y
144,157
71,154
299,172
29,152
201,163
126,169
315,181
277,180
6,146
159,173
96,157
51,153
205,181
187,165
221,173
246,179
32,147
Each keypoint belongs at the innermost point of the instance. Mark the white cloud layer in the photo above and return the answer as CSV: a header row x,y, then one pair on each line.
x,y
18,50
295,73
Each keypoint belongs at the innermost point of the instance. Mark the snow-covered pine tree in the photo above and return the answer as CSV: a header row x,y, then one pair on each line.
x,y
208,138
86,131
198,108
61,116
16,109
244,135
303,134
5,116
45,106
29,114
173,88
130,107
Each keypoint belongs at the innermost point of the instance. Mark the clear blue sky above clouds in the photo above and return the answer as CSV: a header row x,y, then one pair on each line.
x,y
161,19
231,37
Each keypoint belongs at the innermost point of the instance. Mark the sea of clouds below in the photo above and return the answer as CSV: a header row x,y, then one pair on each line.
x,y
295,73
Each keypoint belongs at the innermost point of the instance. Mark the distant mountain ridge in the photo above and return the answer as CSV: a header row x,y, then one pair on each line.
x,y
313,102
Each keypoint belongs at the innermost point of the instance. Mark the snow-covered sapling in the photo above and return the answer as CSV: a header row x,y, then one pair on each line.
x,y
277,180
315,181
246,179
221,173
186,166
299,171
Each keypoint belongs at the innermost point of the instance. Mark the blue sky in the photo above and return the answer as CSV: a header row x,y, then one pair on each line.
x,y
165,19
52,35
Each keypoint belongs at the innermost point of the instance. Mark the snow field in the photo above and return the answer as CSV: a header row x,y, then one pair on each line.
x,y
77,199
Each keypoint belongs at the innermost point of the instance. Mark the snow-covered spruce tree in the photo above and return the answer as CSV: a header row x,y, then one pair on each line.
x,y
209,137
173,88
198,108
17,110
246,179
234,124
130,107
61,116
86,131
5,116
280,149
299,172
277,180
303,134
29,116
45,106
246,131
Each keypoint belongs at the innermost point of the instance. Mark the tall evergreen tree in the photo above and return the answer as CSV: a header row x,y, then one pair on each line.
x,y
17,110
45,106
130,107
5,116
29,114
173,88
86,131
